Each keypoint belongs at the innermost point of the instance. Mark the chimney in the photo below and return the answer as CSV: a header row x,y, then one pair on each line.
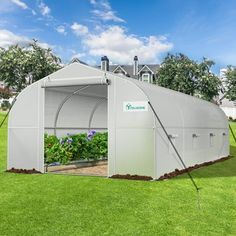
x,y
135,66
104,63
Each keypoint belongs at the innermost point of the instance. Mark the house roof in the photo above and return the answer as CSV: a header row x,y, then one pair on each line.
x,y
78,60
121,68
129,68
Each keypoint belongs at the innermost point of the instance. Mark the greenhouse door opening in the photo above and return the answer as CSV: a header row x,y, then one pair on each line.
x,y
76,130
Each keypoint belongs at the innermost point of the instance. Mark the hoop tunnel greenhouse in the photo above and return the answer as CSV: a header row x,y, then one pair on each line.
x,y
79,98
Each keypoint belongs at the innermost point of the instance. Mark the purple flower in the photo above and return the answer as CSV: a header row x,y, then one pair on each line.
x,y
69,140
54,164
62,141
91,134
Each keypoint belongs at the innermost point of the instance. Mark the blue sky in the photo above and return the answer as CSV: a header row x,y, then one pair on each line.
x,y
89,29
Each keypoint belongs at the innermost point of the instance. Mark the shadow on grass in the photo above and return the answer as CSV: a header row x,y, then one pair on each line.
x,y
220,169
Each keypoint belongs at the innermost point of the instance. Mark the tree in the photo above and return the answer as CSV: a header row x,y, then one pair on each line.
x,y
21,66
230,83
14,67
207,84
182,74
177,73
42,62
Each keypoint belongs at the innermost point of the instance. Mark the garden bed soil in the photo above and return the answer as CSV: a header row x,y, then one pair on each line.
x,y
23,171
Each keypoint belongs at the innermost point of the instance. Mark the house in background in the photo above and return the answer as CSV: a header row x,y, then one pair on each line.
x,y
142,72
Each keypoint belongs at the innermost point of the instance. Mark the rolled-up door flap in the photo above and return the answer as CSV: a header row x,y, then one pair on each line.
x,y
47,83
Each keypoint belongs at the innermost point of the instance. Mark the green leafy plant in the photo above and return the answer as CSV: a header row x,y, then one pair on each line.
x,y
99,142
75,147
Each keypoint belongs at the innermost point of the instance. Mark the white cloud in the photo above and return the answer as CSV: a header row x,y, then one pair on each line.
x,y
46,45
20,3
105,4
61,29
121,47
44,9
107,15
34,12
8,38
93,2
78,55
12,5
79,29
104,11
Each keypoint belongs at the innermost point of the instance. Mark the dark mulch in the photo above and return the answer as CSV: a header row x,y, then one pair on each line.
x,y
171,174
132,177
179,172
23,171
138,177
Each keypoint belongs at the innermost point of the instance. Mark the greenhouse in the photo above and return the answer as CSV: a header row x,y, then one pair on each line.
x,y
80,99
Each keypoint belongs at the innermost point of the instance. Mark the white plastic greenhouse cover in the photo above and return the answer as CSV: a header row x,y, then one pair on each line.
x,y
78,98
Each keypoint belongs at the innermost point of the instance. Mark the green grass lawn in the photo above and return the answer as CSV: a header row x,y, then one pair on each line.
x,y
74,205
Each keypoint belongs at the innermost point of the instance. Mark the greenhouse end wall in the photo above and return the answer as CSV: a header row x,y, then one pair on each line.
x,y
25,130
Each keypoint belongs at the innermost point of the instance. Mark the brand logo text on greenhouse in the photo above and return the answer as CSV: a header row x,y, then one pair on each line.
x,y
135,106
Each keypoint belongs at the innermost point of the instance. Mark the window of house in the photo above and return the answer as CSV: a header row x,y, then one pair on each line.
x,y
146,77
